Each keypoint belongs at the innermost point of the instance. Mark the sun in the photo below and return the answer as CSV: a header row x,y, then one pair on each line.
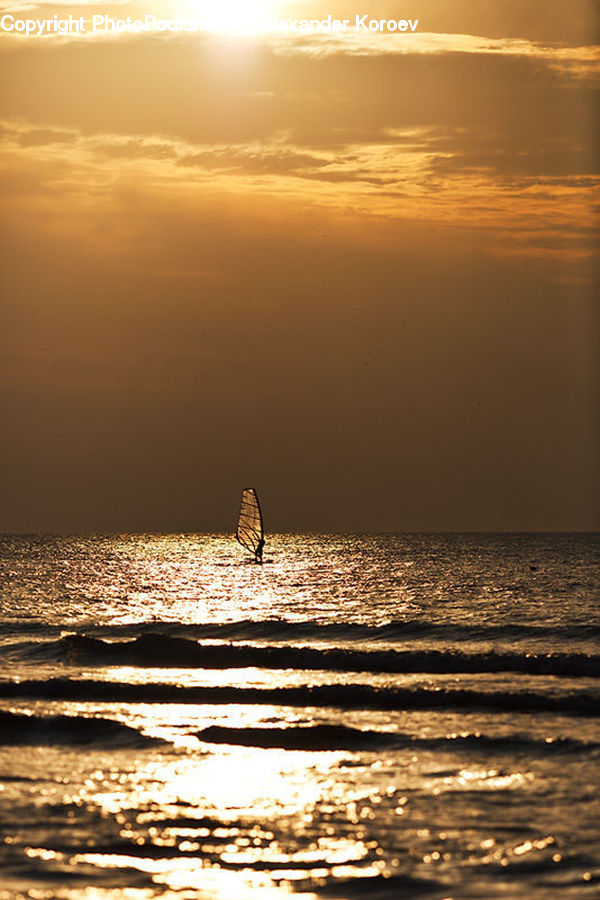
x,y
234,16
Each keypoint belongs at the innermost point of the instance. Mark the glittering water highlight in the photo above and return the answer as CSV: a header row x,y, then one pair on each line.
x,y
362,716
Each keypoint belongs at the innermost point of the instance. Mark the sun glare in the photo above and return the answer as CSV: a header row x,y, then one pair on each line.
x,y
233,16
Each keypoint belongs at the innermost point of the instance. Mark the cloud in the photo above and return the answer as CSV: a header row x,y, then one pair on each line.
x,y
572,61
25,135
439,175
207,91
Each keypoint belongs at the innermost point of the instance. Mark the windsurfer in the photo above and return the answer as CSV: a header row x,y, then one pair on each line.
x,y
258,552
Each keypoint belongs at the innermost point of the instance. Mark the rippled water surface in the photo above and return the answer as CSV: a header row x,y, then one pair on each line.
x,y
362,716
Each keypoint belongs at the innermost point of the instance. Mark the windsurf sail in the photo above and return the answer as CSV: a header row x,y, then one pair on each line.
x,y
250,530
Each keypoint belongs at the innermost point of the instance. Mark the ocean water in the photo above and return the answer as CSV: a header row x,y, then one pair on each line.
x,y
390,716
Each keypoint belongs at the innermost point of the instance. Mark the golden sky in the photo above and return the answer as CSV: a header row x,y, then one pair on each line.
x,y
354,270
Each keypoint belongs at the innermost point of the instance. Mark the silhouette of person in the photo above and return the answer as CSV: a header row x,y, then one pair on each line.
x,y
259,551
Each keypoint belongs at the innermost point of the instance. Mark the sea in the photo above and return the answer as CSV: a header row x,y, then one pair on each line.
x,y
362,716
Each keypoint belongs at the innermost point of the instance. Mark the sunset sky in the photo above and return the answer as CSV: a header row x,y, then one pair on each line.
x,y
355,271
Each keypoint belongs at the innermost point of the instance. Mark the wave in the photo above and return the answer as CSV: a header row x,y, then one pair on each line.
x,y
340,696
398,629
341,737
160,650
16,728
281,630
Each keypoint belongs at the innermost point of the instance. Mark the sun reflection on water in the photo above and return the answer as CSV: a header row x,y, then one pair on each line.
x,y
195,820
220,820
